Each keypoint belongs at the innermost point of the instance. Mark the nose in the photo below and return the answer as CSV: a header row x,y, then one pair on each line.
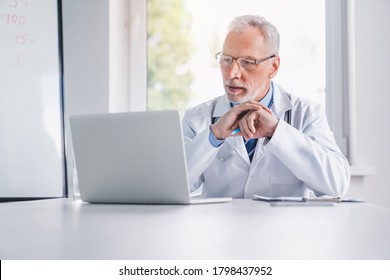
x,y
233,71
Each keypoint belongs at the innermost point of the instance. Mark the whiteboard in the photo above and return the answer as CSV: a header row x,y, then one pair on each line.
x,y
31,138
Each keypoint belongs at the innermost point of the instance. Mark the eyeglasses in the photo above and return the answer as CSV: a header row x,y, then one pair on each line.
x,y
245,63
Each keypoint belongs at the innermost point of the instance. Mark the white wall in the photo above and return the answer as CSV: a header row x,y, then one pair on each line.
x,y
373,99
86,63
87,80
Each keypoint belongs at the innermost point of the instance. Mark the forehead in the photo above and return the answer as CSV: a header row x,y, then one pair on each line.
x,y
249,43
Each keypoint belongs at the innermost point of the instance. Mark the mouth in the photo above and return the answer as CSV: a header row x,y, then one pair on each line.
x,y
234,89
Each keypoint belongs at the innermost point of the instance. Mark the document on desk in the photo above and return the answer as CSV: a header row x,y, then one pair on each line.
x,y
279,198
304,201
293,201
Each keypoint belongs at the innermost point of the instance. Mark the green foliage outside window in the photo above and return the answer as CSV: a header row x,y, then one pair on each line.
x,y
169,52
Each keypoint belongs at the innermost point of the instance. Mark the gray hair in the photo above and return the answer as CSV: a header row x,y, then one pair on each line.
x,y
269,31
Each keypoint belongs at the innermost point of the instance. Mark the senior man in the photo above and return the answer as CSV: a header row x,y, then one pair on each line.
x,y
257,139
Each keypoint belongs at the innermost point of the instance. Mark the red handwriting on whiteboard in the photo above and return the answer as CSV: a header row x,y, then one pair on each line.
x,y
19,59
16,18
15,3
23,39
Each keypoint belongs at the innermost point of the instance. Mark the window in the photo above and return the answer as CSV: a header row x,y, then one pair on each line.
x,y
313,53
184,35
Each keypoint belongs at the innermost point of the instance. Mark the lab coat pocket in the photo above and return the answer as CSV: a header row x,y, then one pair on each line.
x,y
280,174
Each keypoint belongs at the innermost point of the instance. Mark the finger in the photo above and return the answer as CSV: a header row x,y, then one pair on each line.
x,y
266,109
244,128
245,108
251,120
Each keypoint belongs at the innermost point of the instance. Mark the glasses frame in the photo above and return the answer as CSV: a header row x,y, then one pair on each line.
x,y
256,61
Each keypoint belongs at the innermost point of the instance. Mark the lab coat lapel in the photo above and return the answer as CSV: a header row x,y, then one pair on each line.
x,y
259,152
282,102
221,106
238,145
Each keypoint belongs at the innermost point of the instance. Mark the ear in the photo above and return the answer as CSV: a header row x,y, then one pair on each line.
x,y
274,68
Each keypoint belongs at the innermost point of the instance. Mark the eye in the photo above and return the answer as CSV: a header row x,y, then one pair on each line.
x,y
247,63
226,60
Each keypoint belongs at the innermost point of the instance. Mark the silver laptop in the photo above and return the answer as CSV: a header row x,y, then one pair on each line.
x,y
134,157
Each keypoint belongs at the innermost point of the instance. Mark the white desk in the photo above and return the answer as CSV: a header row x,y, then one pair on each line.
x,y
241,229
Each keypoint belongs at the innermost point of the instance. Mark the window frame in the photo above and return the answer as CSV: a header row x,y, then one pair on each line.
x,y
138,64
337,72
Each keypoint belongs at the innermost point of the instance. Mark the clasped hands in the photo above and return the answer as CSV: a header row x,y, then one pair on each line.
x,y
254,120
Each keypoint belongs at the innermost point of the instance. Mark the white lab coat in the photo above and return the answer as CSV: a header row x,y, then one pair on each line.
x,y
299,158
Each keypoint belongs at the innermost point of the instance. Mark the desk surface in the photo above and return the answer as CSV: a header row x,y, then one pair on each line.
x,y
241,229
